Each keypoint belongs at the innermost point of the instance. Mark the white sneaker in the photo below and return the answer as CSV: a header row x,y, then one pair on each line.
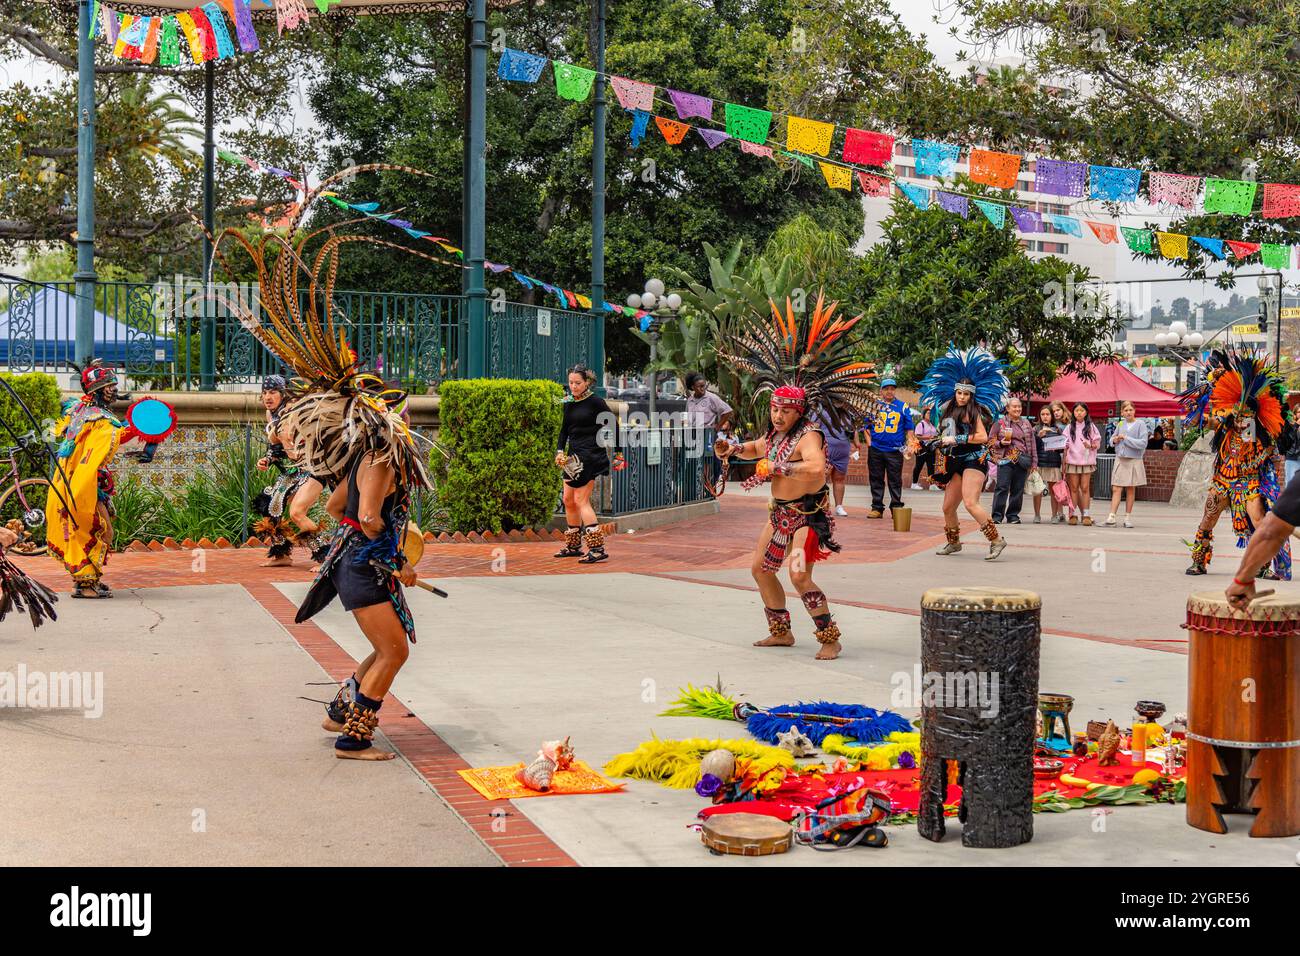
x,y
916,487
1127,523
1110,520
839,510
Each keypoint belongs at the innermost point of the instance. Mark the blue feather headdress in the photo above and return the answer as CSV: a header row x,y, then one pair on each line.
x,y
976,364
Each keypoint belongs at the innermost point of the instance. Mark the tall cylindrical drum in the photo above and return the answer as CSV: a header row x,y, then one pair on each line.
x,y
979,696
1243,713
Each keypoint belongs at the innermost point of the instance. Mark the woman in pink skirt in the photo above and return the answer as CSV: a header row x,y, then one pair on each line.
x,y
1082,439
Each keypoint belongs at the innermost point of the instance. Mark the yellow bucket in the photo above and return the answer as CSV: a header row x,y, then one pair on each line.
x,y
902,519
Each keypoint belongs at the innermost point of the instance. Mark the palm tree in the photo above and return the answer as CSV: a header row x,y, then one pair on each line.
x,y
160,124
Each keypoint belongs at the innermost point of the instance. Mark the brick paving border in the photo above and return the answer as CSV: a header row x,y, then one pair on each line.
x,y
519,843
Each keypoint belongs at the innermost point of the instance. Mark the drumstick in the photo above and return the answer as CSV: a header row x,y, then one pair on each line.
x,y
419,584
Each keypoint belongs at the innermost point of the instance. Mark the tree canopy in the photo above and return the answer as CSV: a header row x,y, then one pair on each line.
x,y
936,278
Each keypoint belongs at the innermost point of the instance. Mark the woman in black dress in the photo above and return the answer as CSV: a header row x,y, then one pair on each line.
x,y
583,460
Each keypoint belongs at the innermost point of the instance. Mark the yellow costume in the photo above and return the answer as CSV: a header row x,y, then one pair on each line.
x,y
89,435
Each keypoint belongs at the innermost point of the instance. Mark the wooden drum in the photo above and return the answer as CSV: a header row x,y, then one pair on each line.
x,y
979,658
1243,713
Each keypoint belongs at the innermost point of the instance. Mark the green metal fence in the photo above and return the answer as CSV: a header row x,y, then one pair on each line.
x,y
152,332
674,473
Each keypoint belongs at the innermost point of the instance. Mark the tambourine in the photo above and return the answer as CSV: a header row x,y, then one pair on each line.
x,y
149,419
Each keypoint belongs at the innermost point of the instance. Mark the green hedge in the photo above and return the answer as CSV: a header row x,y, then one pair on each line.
x,y
40,392
501,435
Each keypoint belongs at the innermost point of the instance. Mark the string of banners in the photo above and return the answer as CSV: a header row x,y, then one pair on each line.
x,y
211,31
371,210
811,142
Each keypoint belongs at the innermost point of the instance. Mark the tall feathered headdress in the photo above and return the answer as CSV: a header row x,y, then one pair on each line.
x,y
805,360
335,409
976,365
1237,382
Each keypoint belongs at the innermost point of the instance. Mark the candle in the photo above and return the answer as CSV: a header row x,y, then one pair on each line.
x,y
1138,748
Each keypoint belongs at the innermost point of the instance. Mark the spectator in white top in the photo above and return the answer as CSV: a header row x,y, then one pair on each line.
x,y
1130,440
704,409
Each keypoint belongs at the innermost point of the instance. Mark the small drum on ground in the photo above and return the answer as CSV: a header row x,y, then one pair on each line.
x,y
746,834
1243,713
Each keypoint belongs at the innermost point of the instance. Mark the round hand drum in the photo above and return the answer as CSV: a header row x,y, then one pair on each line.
x,y
152,419
746,834
1243,713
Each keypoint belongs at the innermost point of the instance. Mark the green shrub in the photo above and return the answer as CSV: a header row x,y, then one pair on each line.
x,y
501,435
40,393
136,506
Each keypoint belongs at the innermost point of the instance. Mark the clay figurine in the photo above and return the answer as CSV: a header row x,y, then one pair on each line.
x,y
1108,746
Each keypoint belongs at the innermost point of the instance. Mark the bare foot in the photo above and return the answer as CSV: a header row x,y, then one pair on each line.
x,y
370,753
285,562
786,640
314,569
333,726
828,652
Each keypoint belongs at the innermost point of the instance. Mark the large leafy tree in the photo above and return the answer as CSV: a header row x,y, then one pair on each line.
x,y
148,141
1194,86
936,278
663,202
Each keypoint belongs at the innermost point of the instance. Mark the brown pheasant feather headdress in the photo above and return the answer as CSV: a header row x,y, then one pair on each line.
x,y
803,359
335,409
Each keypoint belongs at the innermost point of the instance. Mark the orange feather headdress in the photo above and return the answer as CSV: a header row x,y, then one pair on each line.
x,y
803,359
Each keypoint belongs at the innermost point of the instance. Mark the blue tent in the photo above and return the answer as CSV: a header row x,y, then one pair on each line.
x,y
53,314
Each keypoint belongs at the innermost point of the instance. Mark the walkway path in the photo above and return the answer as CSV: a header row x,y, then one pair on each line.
x,y
201,685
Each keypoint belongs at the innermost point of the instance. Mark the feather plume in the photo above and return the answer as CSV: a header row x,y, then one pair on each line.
x,y
975,364
1236,381
811,350
817,719
676,763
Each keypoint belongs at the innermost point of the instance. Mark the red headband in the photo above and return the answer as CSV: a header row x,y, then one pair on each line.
x,y
790,396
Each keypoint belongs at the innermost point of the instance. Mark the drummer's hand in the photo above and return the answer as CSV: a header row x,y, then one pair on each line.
x,y
407,575
7,537
948,440
723,448
263,463
1239,595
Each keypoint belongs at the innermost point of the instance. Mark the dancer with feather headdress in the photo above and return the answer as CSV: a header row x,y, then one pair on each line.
x,y
805,363
969,387
346,429
1242,399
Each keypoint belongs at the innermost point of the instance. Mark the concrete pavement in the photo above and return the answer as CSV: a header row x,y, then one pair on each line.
x,y
204,755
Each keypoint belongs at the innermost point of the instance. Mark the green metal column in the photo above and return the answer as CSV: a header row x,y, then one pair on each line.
x,y
596,360
208,321
85,274
476,293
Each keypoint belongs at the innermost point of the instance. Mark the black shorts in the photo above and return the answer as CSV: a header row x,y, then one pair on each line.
x,y
955,465
359,585
594,464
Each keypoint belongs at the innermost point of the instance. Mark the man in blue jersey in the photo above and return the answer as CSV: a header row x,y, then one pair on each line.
x,y
889,435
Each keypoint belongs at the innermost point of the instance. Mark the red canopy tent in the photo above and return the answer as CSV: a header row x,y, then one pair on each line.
x,y
1113,384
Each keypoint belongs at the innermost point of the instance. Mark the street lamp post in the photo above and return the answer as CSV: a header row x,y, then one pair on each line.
x,y
1270,305
661,308
1180,345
